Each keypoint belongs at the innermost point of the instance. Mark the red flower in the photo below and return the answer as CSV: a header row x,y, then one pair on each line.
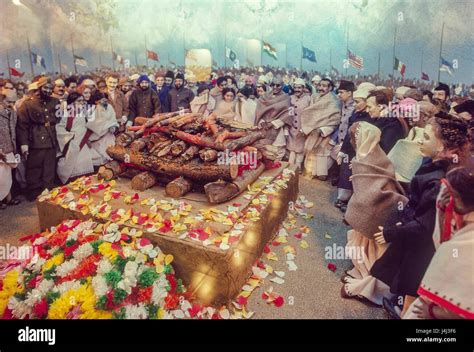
x,y
332,267
266,249
144,294
172,281
166,227
194,310
41,309
7,314
242,300
86,268
171,302
69,250
279,301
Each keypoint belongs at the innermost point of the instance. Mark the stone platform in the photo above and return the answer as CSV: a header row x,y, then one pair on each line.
x,y
214,246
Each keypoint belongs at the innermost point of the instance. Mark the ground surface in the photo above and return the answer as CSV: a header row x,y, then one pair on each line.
x,y
312,291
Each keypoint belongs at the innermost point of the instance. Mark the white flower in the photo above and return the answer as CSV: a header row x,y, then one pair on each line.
x,y
159,292
19,309
39,240
32,297
112,236
99,284
67,285
66,267
104,266
136,312
129,277
113,227
45,285
36,263
83,251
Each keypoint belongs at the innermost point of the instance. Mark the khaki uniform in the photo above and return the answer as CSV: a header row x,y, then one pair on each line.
x,y
36,129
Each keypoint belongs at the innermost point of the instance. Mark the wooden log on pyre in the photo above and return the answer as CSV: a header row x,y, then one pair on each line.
x,y
178,187
143,181
110,170
194,169
208,154
191,152
221,191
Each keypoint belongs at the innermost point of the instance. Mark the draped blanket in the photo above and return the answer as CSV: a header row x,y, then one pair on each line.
x,y
448,280
270,108
324,112
377,193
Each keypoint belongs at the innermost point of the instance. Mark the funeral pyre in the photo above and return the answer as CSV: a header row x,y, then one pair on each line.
x,y
187,152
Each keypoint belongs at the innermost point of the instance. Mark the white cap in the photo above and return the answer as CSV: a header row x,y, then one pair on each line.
x,y
361,93
299,82
316,78
402,90
134,77
367,86
59,81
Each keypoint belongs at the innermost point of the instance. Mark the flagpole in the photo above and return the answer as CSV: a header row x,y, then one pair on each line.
x,y
73,54
8,63
225,44
440,52
100,60
146,52
59,63
378,67
393,56
286,55
136,59
330,59
261,49
112,50
301,53
347,49
421,68
31,58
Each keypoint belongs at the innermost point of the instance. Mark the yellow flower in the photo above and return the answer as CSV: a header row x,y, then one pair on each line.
x,y
106,250
160,313
56,260
10,287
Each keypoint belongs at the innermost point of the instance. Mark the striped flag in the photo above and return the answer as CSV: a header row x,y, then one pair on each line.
x,y
15,72
38,60
446,66
399,66
355,61
79,60
270,50
152,55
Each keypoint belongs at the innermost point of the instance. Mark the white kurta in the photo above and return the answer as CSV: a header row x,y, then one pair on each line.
x,y
77,161
99,123
6,175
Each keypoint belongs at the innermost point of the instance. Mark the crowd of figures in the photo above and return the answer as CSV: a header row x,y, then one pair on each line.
x,y
399,155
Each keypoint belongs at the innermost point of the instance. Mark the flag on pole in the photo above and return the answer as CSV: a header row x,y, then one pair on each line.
x,y
355,61
79,60
152,55
118,58
172,63
38,60
16,73
230,54
446,66
425,77
399,66
309,54
270,50
334,71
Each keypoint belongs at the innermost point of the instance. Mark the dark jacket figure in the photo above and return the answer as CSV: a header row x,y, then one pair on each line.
x,y
144,101
163,95
345,172
411,248
36,134
392,130
179,97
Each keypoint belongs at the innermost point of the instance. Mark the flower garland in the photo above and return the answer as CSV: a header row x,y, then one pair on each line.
x,y
86,270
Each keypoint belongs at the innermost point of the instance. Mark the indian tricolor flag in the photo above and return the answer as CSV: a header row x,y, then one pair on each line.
x,y
399,66
270,50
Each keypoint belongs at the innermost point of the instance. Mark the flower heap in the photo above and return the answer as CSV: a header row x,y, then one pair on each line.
x,y
86,270
172,217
